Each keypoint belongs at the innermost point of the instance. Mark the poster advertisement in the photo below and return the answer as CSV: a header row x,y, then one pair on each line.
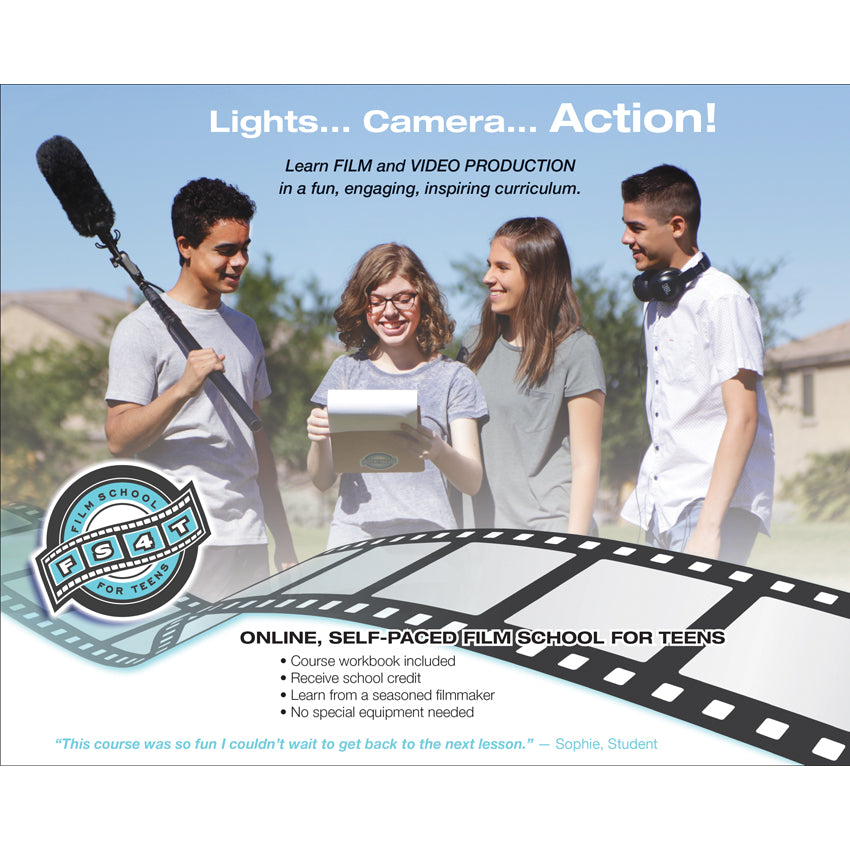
x,y
462,648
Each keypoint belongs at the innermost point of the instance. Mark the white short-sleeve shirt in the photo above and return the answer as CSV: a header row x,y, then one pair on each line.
x,y
693,345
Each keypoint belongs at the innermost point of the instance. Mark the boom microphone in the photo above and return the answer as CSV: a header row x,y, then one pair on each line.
x,y
74,184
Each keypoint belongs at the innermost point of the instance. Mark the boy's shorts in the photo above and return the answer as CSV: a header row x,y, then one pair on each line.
x,y
737,533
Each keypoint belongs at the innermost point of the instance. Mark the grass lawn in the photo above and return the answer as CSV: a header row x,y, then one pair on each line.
x,y
308,541
813,551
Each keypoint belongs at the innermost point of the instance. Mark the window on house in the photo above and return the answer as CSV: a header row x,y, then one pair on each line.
x,y
809,394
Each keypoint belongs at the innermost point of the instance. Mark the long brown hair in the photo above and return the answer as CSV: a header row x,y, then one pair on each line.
x,y
376,267
548,312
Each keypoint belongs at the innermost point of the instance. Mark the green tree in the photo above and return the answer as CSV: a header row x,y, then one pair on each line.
x,y
774,313
613,316
296,326
822,490
44,392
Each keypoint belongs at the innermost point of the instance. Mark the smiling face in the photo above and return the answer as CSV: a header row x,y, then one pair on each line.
x,y
504,279
653,243
215,267
392,322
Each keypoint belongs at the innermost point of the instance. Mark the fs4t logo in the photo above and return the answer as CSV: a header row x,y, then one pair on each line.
x,y
121,541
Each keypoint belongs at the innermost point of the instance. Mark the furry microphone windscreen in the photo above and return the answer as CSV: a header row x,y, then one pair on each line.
x,y
74,184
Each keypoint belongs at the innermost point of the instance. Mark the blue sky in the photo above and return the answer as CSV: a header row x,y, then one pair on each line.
x,y
773,175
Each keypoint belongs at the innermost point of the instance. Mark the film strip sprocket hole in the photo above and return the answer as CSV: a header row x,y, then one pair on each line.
x,y
751,655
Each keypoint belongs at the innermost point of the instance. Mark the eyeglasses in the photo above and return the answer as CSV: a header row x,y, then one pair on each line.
x,y
403,302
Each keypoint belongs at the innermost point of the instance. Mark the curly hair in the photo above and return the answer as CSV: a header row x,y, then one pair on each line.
x,y
203,202
549,311
377,266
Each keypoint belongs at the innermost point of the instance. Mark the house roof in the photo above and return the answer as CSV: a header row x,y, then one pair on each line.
x,y
824,348
79,311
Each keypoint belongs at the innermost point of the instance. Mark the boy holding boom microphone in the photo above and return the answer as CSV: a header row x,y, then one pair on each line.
x,y
161,409
705,486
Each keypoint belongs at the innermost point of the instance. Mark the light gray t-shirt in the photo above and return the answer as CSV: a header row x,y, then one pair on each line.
x,y
525,441
380,504
206,442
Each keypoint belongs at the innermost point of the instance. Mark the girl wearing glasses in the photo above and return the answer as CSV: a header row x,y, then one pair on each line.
x,y
544,384
392,313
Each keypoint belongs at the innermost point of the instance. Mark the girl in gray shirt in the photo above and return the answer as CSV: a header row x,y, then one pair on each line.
x,y
544,384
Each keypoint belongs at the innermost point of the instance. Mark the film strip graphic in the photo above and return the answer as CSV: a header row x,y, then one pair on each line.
x,y
779,680
111,549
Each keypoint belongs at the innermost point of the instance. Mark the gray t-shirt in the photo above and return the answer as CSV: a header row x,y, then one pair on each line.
x,y
380,504
206,442
525,442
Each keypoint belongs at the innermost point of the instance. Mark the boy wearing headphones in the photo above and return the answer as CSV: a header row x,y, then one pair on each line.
x,y
705,485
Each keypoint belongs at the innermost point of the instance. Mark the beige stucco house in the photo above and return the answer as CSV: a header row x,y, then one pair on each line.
x,y
808,393
34,319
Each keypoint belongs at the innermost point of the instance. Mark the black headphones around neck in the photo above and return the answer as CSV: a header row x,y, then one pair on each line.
x,y
667,284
